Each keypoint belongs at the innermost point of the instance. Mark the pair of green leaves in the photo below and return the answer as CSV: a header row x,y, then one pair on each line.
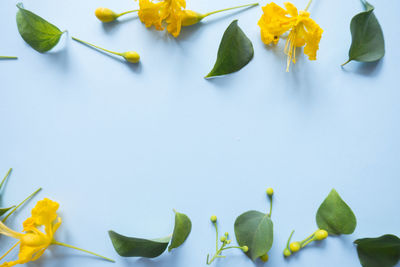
x,y
335,216
368,44
254,229
382,251
5,210
235,51
40,34
151,248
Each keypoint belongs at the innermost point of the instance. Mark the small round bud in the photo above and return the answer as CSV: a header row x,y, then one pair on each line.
x,y
223,239
295,246
287,252
321,234
245,249
105,14
226,234
229,241
270,191
190,17
131,56
213,218
264,257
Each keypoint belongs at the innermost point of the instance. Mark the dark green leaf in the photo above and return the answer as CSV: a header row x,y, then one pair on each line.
x,y
182,229
382,251
4,210
37,32
254,229
368,43
335,216
235,51
138,247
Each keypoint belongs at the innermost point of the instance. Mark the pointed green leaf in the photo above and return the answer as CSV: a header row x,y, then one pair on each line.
x,y
235,51
4,210
138,247
254,229
368,43
335,216
382,251
182,229
40,34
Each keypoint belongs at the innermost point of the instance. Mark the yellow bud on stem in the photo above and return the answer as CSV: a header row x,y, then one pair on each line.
x,y
264,258
105,14
321,235
295,246
131,56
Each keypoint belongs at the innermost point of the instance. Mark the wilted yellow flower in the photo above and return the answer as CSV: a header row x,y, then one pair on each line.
x,y
303,30
149,14
34,242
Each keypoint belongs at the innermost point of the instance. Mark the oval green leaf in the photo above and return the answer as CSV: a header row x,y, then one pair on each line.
x,y
40,34
335,216
182,229
254,229
382,251
368,44
235,51
138,247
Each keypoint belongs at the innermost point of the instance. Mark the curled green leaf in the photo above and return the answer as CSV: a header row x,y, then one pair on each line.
x,y
254,229
382,251
368,44
182,229
235,51
40,34
138,247
335,216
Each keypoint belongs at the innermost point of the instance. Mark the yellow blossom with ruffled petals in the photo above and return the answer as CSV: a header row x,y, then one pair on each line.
x,y
303,31
149,14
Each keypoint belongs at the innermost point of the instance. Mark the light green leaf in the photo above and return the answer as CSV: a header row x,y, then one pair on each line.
x,y
235,51
138,247
40,34
382,251
335,216
254,229
182,229
368,43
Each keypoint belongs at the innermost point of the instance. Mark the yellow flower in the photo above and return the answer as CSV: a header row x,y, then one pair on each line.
x,y
304,31
149,14
34,242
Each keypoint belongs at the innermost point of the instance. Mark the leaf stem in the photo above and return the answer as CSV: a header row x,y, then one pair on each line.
x,y
7,57
95,46
127,12
308,5
346,62
270,206
80,249
226,9
5,178
20,204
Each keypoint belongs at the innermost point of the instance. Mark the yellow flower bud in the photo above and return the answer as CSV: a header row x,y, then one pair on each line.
x,y
321,235
264,258
270,191
190,17
223,238
213,218
245,249
287,252
105,14
131,56
295,246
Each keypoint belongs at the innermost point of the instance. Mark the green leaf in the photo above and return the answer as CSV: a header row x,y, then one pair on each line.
x,y
368,44
335,216
382,251
138,247
182,229
235,51
254,229
4,210
37,32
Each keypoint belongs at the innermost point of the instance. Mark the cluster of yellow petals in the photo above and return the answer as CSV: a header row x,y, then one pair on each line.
x,y
154,13
33,242
304,31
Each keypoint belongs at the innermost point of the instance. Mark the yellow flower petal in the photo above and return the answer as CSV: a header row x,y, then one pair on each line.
x,y
149,14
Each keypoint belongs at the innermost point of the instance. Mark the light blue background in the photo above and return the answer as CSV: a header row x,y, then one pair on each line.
x,y
119,146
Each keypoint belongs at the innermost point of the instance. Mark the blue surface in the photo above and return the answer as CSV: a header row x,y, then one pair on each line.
x,y
120,146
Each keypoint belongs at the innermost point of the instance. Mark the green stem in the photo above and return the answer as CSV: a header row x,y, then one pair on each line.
x,y
5,177
307,241
95,46
290,238
216,239
231,247
308,5
80,249
127,12
226,9
217,254
346,62
270,206
7,57
20,204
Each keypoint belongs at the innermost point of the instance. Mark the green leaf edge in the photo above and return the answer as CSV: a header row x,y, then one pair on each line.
x,y
177,243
